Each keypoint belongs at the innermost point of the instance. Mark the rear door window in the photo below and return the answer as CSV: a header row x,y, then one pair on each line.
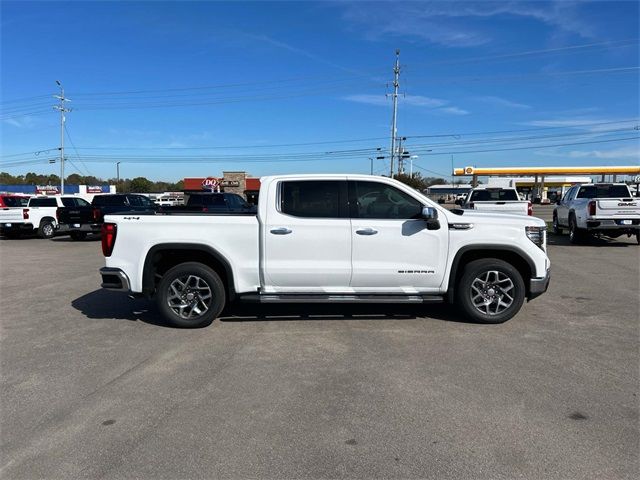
x,y
314,198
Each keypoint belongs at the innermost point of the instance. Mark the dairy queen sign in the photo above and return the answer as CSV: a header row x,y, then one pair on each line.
x,y
211,183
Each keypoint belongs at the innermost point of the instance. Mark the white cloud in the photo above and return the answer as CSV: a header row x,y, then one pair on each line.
x,y
454,111
458,24
434,104
379,100
502,102
626,152
593,125
23,121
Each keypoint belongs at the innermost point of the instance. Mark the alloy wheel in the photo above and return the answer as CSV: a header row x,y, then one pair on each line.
x,y
189,296
492,292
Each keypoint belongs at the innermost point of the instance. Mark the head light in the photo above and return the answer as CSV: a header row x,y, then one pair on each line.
x,y
538,236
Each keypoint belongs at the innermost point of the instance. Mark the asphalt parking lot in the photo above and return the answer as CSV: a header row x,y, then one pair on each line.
x,y
95,386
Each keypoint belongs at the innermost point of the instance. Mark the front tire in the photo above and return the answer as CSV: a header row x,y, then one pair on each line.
x,y
490,291
556,226
46,229
191,295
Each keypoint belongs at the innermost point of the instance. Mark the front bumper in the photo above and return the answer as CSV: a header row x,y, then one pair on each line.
x,y
114,279
83,227
537,286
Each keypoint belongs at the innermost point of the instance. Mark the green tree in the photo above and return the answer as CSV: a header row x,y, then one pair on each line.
x,y
140,185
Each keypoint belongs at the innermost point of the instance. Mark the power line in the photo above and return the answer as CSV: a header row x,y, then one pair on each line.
x,y
76,150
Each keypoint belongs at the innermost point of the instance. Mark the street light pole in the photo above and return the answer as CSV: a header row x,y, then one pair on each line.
x,y
117,174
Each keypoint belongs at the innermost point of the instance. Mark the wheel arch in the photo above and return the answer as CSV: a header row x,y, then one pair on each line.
x,y
513,255
162,257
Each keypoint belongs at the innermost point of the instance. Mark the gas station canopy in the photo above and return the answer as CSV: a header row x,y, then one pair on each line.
x,y
592,170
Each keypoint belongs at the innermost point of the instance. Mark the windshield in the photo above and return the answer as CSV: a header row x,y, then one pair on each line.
x,y
493,195
604,191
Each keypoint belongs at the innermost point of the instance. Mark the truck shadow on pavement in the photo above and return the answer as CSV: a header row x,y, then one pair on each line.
x,y
104,305
563,241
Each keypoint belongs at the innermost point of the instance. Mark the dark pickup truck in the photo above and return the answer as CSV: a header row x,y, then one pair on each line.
x,y
213,203
84,218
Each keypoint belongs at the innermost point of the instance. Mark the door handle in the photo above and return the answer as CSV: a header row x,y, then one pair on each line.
x,y
281,231
366,231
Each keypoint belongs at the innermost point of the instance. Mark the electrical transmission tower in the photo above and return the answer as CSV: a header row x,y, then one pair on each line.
x,y
62,109
394,130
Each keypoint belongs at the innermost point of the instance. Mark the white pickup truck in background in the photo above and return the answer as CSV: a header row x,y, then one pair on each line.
x,y
597,208
328,238
496,200
39,216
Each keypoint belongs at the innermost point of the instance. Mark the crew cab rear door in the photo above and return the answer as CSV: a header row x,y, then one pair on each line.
x,y
307,236
393,251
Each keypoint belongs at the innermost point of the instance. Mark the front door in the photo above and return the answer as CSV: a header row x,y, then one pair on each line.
x,y
393,251
307,237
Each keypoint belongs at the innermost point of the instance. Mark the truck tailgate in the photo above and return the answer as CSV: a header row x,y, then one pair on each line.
x,y
514,207
618,207
9,215
75,215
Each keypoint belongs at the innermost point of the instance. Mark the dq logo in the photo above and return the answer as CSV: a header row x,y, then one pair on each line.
x,y
211,183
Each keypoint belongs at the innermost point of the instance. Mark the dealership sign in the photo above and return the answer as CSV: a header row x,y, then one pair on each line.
x,y
94,189
47,190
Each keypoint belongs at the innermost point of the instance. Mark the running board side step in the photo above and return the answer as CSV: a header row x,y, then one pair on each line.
x,y
338,298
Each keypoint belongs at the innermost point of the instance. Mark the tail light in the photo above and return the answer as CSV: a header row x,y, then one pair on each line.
x,y
97,214
109,231
25,214
58,214
592,207
530,209
205,209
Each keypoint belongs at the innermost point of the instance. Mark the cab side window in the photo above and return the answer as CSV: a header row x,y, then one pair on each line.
x,y
378,200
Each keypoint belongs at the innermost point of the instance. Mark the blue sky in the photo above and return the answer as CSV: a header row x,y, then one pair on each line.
x,y
483,81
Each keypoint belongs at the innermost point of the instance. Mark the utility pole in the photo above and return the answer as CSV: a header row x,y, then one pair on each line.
x,y
62,109
394,132
117,174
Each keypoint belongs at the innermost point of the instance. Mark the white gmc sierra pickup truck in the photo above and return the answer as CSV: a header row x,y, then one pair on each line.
x,y
328,238
597,208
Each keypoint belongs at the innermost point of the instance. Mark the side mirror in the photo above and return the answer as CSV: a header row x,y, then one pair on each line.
x,y
458,201
430,214
559,201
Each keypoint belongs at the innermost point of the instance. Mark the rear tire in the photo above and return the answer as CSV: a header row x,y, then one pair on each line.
x,y
490,291
78,235
191,295
46,229
576,235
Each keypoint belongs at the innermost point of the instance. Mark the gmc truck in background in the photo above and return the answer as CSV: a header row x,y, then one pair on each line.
x,y
328,238
597,208
496,200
